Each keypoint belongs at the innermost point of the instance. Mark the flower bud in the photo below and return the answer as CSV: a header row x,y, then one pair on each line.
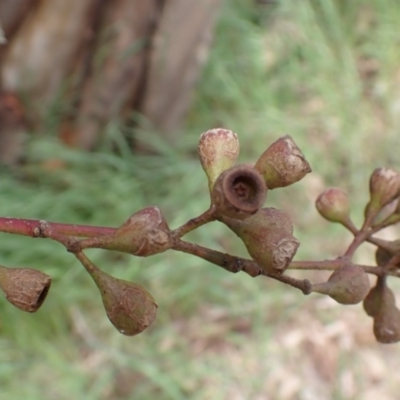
x,y
129,306
386,213
239,192
384,187
333,204
268,238
25,288
381,305
145,233
377,295
282,164
218,150
383,255
347,285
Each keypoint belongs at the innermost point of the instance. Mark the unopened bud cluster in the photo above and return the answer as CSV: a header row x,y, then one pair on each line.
x,y
350,285
238,193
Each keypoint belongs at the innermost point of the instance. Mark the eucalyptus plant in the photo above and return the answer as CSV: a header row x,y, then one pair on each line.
x,y
238,193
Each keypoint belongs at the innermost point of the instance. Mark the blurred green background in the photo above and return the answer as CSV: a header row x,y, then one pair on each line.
x,y
326,72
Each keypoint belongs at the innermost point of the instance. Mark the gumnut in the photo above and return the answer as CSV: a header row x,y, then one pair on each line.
x,y
268,238
24,288
218,150
377,295
382,307
333,204
347,285
129,306
282,164
384,187
239,192
145,233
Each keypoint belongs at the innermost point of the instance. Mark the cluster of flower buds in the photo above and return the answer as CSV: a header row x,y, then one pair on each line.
x,y
349,284
238,193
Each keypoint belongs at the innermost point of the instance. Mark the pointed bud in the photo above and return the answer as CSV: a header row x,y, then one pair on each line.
x,y
282,164
347,285
218,150
129,306
384,187
386,212
145,233
382,307
377,295
239,192
25,288
268,238
333,204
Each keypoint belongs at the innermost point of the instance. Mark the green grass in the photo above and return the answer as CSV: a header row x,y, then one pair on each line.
x,y
325,72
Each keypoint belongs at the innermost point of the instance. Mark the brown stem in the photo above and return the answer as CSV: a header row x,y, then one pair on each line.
x,y
331,265
226,261
194,223
236,264
304,284
350,226
360,237
89,266
325,265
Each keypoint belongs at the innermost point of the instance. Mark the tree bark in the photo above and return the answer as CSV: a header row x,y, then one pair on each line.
x,y
180,48
90,62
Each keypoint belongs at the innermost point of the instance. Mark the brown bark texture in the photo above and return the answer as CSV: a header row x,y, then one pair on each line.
x,y
96,61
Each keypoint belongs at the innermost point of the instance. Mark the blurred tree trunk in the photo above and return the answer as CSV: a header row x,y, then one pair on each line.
x,y
94,61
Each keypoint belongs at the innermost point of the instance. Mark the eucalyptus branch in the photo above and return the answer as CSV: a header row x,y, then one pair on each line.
x,y
238,194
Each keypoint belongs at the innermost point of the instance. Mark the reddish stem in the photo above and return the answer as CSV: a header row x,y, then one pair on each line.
x,y
31,227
